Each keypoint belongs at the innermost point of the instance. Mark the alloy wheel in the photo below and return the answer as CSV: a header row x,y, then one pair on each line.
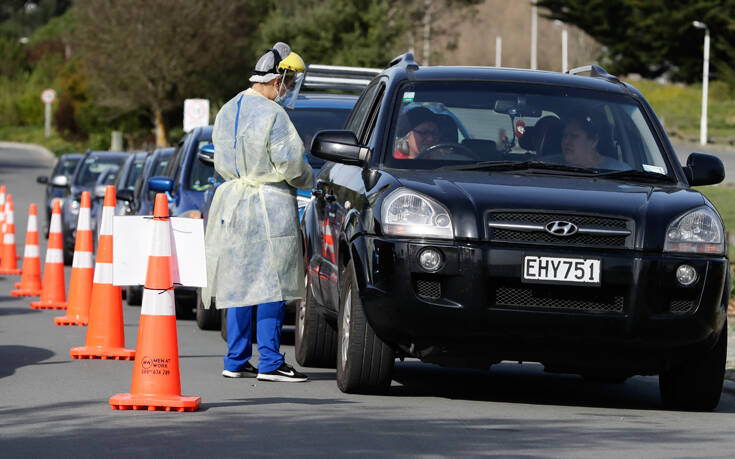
x,y
346,328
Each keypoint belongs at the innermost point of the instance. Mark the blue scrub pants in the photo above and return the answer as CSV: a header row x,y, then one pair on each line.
x,y
240,340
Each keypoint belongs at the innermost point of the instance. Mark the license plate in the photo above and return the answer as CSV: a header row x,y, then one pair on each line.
x,y
561,270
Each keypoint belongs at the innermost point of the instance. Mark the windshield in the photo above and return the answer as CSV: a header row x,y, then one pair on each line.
x,y
464,124
199,173
308,121
91,169
66,167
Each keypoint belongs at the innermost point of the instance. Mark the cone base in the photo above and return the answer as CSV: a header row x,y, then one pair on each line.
x,y
155,402
14,272
102,352
66,320
49,305
31,292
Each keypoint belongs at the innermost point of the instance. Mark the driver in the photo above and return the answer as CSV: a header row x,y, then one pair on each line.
x,y
418,129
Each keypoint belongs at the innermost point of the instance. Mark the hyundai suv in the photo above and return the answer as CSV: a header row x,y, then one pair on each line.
x,y
547,220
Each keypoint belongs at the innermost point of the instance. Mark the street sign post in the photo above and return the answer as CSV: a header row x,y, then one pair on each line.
x,y
196,113
48,96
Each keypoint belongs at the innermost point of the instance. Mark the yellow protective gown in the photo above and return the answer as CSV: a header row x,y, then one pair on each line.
x,y
253,242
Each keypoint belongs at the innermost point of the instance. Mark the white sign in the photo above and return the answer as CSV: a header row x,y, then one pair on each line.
x,y
132,240
48,96
196,113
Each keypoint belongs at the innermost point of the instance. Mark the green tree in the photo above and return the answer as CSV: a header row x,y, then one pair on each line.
x,y
653,37
156,53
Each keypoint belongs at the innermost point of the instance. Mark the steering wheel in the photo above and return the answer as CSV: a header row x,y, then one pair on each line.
x,y
439,151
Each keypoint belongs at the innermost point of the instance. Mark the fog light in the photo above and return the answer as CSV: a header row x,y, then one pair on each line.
x,y
686,275
430,259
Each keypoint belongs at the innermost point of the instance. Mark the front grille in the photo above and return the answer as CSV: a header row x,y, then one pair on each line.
x,y
545,299
428,289
681,306
543,237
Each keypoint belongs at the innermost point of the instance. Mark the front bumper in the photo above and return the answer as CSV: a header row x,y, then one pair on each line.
x,y
476,306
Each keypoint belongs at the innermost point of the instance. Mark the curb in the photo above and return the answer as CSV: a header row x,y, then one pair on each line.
x,y
31,147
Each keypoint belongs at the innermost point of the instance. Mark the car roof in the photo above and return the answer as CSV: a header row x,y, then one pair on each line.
x,y
72,156
325,100
510,75
112,154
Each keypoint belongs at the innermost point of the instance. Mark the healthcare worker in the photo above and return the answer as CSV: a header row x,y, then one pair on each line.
x,y
253,241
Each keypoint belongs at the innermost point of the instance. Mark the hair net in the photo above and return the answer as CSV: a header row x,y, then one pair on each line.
x,y
413,118
267,63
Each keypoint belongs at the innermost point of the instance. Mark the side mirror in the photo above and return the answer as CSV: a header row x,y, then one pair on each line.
x,y
704,169
206,154
160,184
125,195
42,179
60,181
99,191
340,146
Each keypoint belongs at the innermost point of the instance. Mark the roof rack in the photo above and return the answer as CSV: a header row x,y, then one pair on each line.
x,y
406,60
595,72
339,77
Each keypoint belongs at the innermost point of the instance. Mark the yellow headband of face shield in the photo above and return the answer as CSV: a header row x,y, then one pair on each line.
x,y
293,63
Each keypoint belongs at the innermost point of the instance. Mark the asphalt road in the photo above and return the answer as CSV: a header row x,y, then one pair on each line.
x,y
53,406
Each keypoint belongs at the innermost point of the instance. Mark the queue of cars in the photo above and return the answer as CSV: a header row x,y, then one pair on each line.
x,y
487,246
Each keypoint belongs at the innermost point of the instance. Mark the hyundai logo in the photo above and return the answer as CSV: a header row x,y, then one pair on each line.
x,y
561,228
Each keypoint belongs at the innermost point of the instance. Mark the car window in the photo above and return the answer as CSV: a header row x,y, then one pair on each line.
x,y
308,121
362,109
199,172
133,174
91,169
440,124
65,167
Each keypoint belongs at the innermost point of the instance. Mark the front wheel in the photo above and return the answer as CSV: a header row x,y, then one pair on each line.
x,y
696,385
364,361
315,339
207,319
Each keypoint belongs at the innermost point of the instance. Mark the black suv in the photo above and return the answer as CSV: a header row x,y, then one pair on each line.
x,y
545,219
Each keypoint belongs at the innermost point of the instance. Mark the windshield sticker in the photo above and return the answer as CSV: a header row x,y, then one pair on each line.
x,y
654,169
408,97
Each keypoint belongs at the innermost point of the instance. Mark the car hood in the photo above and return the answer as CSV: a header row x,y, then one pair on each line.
x,y
470,195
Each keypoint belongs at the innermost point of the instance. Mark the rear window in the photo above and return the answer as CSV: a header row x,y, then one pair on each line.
x,y
91,169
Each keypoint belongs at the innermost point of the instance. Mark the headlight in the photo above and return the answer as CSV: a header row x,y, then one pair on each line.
x,y
74,206
302,201
697,231
407,213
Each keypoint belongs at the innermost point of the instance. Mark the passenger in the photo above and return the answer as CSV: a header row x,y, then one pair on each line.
x,y
418,129
253,242
582,140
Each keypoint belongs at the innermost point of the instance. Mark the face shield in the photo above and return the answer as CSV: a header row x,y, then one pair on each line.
x,y
289,88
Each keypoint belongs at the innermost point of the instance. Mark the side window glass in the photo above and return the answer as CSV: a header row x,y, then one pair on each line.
x,y
373,115
361,110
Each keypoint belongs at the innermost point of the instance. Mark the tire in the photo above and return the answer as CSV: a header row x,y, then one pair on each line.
x,y
315,339
134,295
223,324
68,255
697,385
207,319
364,361
185,304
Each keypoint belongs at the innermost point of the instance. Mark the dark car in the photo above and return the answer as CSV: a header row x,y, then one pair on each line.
x,y
127,177
312,112
139,201
184,180
505,245
106,178
85,177
56,184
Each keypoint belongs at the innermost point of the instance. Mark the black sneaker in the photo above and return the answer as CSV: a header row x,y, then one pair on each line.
x,y
248,371
284,373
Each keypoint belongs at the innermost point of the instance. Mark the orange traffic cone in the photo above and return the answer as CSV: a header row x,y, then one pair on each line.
x,y
105,335
2,218
30,281
156,382
82,270
53,295
9,263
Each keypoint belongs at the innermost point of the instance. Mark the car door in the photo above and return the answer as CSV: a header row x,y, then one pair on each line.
x,y
341,190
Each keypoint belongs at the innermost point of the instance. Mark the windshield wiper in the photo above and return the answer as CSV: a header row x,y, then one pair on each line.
x,y
518,165
637,173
